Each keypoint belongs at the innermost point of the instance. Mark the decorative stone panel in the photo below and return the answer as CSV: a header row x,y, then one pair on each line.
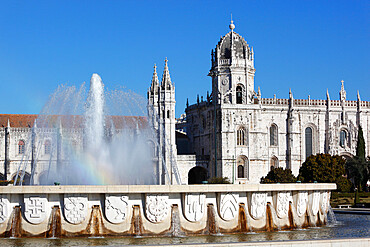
x,y
194,206
75,208
258,205
302,200
35,208
116,208
325,201
228,205
156,207
282,204
4,208
315,202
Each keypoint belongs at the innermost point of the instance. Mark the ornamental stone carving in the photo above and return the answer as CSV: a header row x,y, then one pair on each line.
x,y
258,205
315,202
228,205
75,208
194,206
116,208
282,204
4,208
302,200
156,207
35,208
324,202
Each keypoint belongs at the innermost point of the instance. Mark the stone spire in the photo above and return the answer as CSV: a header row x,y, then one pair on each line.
x,y
342,93
327,94
358,96
8,123
166,79
155,82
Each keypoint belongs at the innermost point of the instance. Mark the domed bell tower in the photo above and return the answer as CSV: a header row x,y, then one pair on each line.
x,y
232,70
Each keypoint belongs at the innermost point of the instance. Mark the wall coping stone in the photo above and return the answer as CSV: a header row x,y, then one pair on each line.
x,y
210,188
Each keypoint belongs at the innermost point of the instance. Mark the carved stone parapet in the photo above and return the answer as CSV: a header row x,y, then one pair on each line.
x,y
156,207
35,208
302,200
258,205
116,208
75,208
228,205
315,201
194,206
4,208
325,201
282,204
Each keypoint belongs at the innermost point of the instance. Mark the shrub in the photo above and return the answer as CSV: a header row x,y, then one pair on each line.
x,y
322,168
219,180
6,182
343,184
279,175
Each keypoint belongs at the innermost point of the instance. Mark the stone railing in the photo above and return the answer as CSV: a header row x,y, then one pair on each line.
x,y
67,211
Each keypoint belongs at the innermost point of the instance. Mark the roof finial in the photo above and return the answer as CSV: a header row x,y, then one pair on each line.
x,y
8,123
232,26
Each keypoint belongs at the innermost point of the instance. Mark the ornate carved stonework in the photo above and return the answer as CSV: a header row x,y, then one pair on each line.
x,y
324,202
315,202
156,207
228,205
75,208
4,208
116,208
194,206
282,204
35,208
258,205
302,203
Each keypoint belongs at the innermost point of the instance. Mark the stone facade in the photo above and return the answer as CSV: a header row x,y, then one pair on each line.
x,y
233,133
246,135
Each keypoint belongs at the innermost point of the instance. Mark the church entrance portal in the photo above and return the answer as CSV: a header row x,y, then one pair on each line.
x,y
197,175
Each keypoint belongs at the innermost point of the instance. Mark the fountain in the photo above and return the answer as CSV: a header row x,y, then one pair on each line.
x,y
105,180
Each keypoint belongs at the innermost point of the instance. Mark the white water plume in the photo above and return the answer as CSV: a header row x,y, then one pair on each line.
x,y
97,137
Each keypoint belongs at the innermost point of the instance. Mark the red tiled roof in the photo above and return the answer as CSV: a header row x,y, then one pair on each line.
x,y
73,121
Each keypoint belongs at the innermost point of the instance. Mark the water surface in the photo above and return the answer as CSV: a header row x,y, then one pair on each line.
x,y
349,226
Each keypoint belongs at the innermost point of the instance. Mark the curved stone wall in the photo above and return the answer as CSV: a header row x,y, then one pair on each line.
x,y
66,211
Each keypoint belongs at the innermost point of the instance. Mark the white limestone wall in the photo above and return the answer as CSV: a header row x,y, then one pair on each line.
x,y
156,205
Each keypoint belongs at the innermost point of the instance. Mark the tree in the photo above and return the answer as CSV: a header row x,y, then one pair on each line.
x,y
279,175
357,168
324,168
360,149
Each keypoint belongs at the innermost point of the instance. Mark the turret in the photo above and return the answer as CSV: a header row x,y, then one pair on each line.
x,y
161,110
232,70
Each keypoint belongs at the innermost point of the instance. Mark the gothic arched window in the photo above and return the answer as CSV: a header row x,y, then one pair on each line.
x,y
47,147
308,141
343,138
21,147
168,113
242,167
239,95
274,163
273,135
240,136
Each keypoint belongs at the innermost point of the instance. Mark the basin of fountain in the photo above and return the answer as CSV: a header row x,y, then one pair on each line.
x,y
109,180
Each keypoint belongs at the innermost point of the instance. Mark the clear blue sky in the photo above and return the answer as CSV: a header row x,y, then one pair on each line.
x,y
308,46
